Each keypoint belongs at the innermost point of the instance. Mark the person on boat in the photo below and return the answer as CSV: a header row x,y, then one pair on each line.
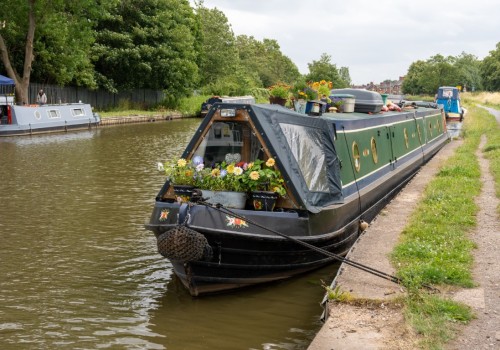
x,y
41,98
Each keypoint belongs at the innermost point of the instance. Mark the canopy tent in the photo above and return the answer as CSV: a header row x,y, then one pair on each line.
x,y
6,86
6,81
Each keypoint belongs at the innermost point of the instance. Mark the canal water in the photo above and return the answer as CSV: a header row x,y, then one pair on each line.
x,y
79,271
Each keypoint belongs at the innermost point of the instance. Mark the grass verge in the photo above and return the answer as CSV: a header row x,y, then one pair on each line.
x,y
434,247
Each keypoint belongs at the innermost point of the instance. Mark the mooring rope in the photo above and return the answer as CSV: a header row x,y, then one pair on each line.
x,y
337,257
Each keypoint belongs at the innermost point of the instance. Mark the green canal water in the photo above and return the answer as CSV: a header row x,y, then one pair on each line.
x,y
79,271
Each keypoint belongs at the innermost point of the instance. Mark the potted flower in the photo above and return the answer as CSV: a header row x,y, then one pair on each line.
x,y
226,183
278,93
265,183
184,175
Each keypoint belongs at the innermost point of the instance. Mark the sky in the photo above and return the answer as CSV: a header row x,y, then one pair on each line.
x,y
375,39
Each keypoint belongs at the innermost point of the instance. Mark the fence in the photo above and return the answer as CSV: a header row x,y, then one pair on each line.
x,y
99,99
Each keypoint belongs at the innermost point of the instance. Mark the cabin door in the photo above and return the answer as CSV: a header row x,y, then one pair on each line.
x,y
391,137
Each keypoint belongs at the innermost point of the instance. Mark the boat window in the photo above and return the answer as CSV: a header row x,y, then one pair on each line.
x,y
232,142
356,156
78,112
306,146
374,150
407,144
419,133
430,128
38,115
53,114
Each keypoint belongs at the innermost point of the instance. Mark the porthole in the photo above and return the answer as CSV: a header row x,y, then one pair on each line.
x,y
356,156
374,150
38,115
406,138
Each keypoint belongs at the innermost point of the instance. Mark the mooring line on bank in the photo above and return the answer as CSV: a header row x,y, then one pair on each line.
x,y
337,257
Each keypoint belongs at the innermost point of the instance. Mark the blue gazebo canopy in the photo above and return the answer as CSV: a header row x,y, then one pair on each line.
x,y
6,81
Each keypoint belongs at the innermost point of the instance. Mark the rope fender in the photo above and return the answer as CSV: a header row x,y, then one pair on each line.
x,y
184,244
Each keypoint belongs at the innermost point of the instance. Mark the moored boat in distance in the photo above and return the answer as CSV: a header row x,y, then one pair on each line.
x,y
339,171
205,106
449,98
34,119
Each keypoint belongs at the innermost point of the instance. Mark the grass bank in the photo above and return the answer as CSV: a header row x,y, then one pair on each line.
x,y
188,107
435,248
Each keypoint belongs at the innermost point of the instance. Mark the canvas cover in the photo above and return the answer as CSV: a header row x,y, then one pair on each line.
x,y
304,150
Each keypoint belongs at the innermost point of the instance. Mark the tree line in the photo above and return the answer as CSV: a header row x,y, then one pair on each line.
x,y
167,45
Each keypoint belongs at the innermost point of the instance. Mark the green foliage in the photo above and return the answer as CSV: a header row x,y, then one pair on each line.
x,y
280,90
63,37
323,69
336,294
424,77
433,318
219,56
148,44
490,70
191,106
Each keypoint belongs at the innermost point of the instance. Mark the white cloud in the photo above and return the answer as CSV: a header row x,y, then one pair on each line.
x,y
376,40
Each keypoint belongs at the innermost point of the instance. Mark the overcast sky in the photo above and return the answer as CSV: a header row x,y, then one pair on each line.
x,y
375,39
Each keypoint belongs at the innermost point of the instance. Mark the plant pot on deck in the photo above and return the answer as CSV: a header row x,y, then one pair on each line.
x,y
264,200
277,101
183,193
228,199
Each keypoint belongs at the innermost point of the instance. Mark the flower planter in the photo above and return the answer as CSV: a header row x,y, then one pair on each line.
x,y
229,199
183,193
277,101
264,200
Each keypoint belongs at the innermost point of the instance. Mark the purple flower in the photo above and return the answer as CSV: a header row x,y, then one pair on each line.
x,y
223,173
197,160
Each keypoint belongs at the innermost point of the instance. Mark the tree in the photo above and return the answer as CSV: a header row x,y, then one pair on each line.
x,y
219,56
490,70
411,84
49,39
148,44
469,71
345,76
323,69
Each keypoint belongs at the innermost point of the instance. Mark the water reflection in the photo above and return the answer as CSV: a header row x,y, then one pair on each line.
x,y
78,270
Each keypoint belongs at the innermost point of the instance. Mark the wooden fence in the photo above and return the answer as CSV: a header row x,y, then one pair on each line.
x,y
99,99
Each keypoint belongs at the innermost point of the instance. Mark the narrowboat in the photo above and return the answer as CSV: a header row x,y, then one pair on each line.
x,y
16,120
338,170
449,98
34,119
205,106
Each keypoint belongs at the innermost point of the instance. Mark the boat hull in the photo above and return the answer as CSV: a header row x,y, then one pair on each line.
x,y
246,255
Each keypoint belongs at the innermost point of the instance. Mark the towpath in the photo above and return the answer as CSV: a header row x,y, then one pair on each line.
x,y
379,325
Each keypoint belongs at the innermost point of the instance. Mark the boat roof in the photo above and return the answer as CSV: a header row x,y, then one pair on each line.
x,y
304,146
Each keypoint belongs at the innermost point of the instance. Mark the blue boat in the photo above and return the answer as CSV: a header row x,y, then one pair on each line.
x,y
449,98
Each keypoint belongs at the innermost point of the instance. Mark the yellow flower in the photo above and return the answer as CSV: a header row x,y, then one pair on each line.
x,y
270,162
254,175
189,173
230,168
181,163
215,172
